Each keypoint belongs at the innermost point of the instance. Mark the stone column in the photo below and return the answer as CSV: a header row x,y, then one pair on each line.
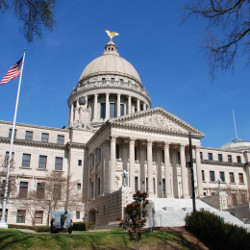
x,y
71,113
144,106
159,174
132,164
95,106
112,164
198,172
184,173
142,185
168,189
138,105
150,168
129,104
107,106
118,105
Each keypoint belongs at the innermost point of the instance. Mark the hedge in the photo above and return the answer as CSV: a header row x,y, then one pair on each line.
x,y
215,233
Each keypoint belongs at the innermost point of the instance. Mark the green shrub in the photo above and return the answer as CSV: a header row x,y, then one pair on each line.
x,y
215,233
83,226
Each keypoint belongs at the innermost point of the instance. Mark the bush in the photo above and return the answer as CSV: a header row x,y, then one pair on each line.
x,y
35,228
83,226
215,233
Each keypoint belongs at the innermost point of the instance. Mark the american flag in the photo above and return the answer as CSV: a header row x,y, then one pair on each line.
x,y
13,72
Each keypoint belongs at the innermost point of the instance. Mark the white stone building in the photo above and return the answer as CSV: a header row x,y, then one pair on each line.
x,y
112,128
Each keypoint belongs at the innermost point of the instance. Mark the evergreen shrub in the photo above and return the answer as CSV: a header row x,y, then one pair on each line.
x,y
83,226
215,233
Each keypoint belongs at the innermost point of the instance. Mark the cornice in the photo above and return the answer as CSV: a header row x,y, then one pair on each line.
x,y
33,143
75,145
225,163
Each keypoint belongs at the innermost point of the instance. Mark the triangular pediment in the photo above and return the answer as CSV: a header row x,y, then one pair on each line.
x,y
157,119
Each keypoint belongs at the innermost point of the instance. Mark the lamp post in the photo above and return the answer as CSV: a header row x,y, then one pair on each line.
x,y
192,170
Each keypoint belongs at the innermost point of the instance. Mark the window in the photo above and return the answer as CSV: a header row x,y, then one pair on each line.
x,y
178,157
112,110
238,159
39,217
220,157
79,162
163,156
136,183
212,176
26,160
6,160
201,155
45,138
231,177
112,79
59,163
57,192
6,214
20,217
23,189
29,136
122,109
91,159
222,176
136,153
146,184
210,156
121,80
229,158
117,152
103,110
78,214
103,80
60,139
241,180
79,186
98,186
10,133
154,185
164,187
40,190
42,161
203,175
98,155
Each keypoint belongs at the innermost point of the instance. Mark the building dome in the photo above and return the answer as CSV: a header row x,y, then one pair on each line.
x,y
237,145
110,63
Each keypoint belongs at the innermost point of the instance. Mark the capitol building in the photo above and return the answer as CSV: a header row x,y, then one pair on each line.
x,y
111,129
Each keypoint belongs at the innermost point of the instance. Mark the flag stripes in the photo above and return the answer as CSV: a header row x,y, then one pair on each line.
x,y
13,72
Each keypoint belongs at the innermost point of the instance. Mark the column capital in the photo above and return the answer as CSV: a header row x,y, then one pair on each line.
x,y
166,145
149,143
132,140
113,137
182,147
197,148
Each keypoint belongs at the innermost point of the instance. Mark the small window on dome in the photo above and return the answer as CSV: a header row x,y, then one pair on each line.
x,y
112,79
103,80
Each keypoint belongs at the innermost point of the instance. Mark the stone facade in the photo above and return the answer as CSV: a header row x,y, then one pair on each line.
x,y
112,128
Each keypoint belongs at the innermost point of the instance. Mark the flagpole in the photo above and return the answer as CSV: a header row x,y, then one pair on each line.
x,y
3,223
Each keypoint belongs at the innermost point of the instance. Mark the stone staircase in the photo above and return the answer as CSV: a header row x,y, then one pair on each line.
x,y
168,212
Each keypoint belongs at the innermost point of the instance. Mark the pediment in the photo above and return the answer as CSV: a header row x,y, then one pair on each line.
x,y
157,119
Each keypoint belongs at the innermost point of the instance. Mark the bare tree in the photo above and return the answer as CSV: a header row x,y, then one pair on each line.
x,y
33,14
228,27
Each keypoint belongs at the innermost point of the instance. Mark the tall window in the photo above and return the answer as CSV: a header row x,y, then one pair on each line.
x,y
136,153
238,159
229,158
39,217
210,156
203,175
57,192
26,160
212,176
112,110
79,162
103,110
10,133
98,155
45,138
201,155
6,160
178,157
42,161
23,189
220,157
122,109
40,190
21,214
164,187
78,214
231,177
136,183
79,186
241,180
60,139
222,176
117,151
59,163
29,136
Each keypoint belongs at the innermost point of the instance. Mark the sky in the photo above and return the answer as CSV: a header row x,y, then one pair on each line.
x,y
167,55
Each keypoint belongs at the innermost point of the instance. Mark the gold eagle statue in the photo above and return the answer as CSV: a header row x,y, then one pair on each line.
x,y
111,34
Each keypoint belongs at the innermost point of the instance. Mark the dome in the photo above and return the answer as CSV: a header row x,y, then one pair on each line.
x,y
110,63
237,145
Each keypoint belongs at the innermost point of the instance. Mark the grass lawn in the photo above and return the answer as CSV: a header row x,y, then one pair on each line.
x,y
113,239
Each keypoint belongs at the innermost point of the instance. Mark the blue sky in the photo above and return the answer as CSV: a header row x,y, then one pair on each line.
x,y
166,55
